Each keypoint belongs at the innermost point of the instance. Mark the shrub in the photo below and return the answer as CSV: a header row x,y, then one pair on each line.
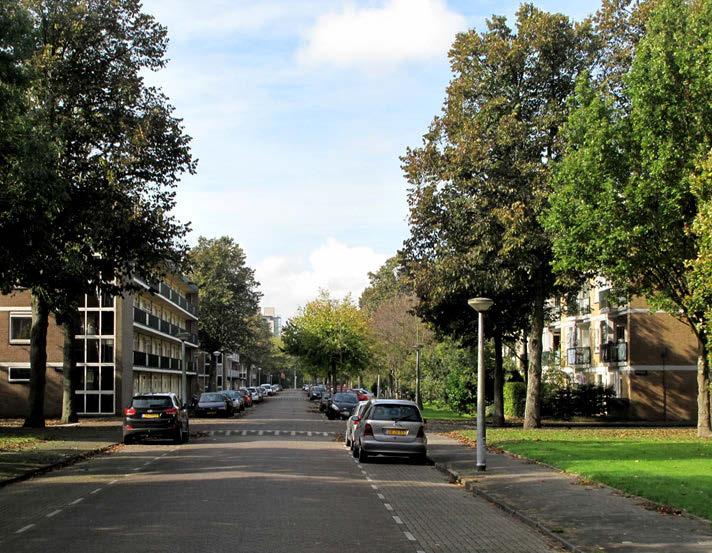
x,y
515,397
580,400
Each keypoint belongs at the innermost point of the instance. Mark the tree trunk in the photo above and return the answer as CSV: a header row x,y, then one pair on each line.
x,y
498,415
38,363
704,429
532,410
333,377
70,374
213,374
524,359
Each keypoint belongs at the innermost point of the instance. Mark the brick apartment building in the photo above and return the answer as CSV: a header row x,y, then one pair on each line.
x,y
648,357
129,345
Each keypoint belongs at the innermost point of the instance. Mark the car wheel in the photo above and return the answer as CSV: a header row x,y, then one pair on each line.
x,y
420,459
128,440
354,451
362,456
178,437
186,436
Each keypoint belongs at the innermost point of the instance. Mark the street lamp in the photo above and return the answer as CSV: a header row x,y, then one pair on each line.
x,y
417,376
481,305
259,376
183,336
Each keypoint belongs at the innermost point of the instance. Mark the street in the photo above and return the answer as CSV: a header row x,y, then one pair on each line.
x,y
275,480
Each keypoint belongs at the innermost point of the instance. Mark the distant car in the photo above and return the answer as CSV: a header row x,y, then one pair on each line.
x,y
305,387
156,416
214,404
353,421
268,389
363,394
247,396
390,427
316,392
238,403
257,395
341,405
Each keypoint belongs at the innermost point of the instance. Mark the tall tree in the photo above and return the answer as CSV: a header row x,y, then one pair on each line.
x,y
119,152
330,334
481,180
631,193
229,297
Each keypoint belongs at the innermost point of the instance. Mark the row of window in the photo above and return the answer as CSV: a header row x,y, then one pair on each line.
x,y
158,310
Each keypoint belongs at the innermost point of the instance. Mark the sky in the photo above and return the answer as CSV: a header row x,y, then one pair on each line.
x,y
299,111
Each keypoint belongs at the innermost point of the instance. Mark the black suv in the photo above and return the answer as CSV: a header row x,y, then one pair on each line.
x,y
156,416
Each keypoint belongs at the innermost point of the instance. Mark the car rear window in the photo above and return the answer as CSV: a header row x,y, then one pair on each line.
x,y
212,397
346,398
151,402
406,413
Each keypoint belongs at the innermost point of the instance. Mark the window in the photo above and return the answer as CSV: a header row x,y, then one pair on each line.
x,y
18,374
20,326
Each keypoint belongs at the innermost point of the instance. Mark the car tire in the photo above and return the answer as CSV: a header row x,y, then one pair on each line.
x,y
178,437
362,456
128,440
420,459
347,442
354,451
186,436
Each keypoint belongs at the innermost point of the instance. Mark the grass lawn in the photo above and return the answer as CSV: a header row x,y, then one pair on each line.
x,y
670,466
16,443
435,412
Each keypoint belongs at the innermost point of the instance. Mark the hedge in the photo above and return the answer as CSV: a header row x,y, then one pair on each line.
x,y
515,397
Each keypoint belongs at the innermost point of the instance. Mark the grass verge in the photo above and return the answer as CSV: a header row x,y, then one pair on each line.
x,y
17,443
437,412
666,465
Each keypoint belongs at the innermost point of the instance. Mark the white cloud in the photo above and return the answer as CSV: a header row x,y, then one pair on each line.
x,y
342,269
400,30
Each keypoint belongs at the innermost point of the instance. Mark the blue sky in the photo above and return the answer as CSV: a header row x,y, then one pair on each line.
x,y
299,111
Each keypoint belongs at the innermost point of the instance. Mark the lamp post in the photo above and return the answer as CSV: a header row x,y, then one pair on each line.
x,y
216,353
259,376
481,305
183,336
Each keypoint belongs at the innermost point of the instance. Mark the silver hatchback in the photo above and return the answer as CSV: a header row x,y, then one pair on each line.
x,y
390,427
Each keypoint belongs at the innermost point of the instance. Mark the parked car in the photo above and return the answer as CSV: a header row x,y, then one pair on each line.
x,y
324,401
247,396
268,389
341,405
214,403
353,421
156,416
390,427
363,394
316,392
276,388
238,403
257,395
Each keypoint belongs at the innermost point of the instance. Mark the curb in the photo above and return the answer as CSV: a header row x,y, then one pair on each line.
x,y
454,478
57,465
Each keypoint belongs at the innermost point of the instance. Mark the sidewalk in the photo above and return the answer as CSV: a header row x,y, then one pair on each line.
x,y
60,445
586,518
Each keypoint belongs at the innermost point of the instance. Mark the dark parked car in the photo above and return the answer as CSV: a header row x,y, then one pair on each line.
x,y
341,405
214,403
316,392
156,416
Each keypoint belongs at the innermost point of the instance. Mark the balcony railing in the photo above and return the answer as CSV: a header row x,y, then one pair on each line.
x,y
151,361
578,356
614,353
151,321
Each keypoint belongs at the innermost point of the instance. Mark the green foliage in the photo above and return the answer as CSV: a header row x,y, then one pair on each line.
x,y
329,335
460,367
515,397
579,400
385,284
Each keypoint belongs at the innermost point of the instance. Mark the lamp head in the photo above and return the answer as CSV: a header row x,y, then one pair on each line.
x,y
480,304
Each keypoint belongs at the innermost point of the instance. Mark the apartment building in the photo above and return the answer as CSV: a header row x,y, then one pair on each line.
x,y
648,357
274,321
128,345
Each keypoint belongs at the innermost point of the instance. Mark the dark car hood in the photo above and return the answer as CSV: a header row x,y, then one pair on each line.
x,y
345,404
211,404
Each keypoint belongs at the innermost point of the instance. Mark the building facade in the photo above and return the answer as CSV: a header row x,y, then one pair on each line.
x,y
648,357
274,321
127,345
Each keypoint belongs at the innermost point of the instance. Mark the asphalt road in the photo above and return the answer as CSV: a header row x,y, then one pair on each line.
x,y
276,480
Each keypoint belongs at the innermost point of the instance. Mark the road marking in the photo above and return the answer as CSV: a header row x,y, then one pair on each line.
x,y
147,463
381,497
410,536
261,433
112,482
326,434
24,529
228,433
164,454
244,432
137,468
374,486
294,433
276,432
309,434
420,551
53,513
78,500
388,506
95,491
369,479
397,519
156,458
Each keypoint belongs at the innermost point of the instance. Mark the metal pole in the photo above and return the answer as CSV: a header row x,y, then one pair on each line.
x,y
481,448
295,379
183,374
417,377
378,386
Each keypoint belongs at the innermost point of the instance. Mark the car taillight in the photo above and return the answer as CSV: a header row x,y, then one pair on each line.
x,y
421,432
129,411
355,422
170,411
368,430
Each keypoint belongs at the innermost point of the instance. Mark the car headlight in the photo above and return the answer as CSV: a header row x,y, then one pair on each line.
x,y
334,407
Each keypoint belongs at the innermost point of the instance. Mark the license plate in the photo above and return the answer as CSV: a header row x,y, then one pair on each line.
x,y
212,412
151,415
396,432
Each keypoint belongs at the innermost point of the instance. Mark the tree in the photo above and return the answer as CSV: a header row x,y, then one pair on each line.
x,y
115,154
331,335
481,180
631,195
229,299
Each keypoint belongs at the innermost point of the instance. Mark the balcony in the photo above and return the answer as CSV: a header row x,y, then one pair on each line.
x,y
614,353
146,319
578,356
151,361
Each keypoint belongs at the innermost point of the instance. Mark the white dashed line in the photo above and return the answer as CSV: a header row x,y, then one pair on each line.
x,y
369,479
388,506
137,468
276,432
147,463
156,458
112,482
309,434
420,551
374,486
244,432
261,433
397,519
53,513
228,433
381,497
410,536
24,529
78,500
294,433
95,491
326,434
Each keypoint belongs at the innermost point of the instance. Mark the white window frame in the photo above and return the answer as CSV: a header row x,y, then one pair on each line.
x,y
18,315
11,379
